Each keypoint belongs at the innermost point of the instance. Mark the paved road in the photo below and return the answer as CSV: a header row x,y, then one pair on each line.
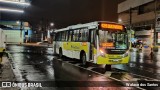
x,y
38,64
143,63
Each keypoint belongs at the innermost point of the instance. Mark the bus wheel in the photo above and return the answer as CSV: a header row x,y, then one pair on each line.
x,y
83,59
108,67
60,53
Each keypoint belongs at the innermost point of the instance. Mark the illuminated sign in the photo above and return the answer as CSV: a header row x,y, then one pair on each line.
x,y
111,26
107,44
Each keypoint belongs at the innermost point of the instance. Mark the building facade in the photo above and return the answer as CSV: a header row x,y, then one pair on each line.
x,y
15,32
142,16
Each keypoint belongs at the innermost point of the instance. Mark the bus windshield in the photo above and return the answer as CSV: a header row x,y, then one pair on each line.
x,y
113,40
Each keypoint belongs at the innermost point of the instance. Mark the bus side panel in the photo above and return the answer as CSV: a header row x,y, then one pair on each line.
x,y
76,48
73,49
67,49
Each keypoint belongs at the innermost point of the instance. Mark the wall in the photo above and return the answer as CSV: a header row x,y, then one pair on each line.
x,y
126,5
13,36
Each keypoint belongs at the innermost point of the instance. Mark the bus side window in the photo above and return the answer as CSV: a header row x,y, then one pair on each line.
x,y
76,35
66,38
63,35
92,37
73,36
58,36
85,35
70,36
80,35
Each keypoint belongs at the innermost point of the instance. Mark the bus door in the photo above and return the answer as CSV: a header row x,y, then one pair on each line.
x,y
93,45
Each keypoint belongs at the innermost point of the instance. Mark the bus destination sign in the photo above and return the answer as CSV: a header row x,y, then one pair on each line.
x,y
111,26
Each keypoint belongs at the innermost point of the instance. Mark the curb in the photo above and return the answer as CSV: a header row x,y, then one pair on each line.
x,y
12,67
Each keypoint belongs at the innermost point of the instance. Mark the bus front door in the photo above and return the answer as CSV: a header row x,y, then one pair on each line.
x,y
93,46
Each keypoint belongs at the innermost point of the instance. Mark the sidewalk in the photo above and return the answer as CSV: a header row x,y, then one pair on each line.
x,y
6,73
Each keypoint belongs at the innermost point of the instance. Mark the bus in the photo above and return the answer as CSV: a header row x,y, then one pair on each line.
x,y
99,42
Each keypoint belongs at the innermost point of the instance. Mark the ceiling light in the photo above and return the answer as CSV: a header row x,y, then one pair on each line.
x,y
15,2
11,10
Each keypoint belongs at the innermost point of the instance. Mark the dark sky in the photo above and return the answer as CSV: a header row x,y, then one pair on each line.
x,y
67,12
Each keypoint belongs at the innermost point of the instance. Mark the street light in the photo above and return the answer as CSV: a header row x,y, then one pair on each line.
x,y
51,24
119,20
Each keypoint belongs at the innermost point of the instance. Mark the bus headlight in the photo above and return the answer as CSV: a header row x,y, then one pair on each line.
x,y
102,53
126,54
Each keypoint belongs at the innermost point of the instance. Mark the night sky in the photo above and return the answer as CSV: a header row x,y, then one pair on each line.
x,y
66,12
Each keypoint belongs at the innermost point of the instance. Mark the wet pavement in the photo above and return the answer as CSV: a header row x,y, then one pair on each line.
x,y
6,73
32,63
144,64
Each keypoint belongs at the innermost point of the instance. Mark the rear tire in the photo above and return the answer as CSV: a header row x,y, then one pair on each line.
x,y
107,67
83,59
60,53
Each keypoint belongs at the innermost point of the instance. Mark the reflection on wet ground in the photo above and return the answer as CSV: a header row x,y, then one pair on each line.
x,y
143,63
90,79
32,64
37,64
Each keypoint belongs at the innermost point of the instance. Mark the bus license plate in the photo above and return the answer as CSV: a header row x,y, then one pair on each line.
x,y
115,60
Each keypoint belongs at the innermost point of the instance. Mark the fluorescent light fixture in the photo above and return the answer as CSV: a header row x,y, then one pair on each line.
x,y
11,10
15,2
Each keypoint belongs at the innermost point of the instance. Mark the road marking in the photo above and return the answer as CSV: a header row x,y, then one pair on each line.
x,y
102,74
143,76
90,68
77,64
108,74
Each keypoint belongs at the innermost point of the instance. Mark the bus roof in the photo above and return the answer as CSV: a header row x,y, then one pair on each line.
x,y
90,25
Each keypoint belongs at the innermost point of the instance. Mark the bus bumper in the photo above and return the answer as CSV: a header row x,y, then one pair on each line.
x,y
105,60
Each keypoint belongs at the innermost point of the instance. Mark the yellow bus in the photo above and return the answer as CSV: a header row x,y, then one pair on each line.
x,y
99,42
